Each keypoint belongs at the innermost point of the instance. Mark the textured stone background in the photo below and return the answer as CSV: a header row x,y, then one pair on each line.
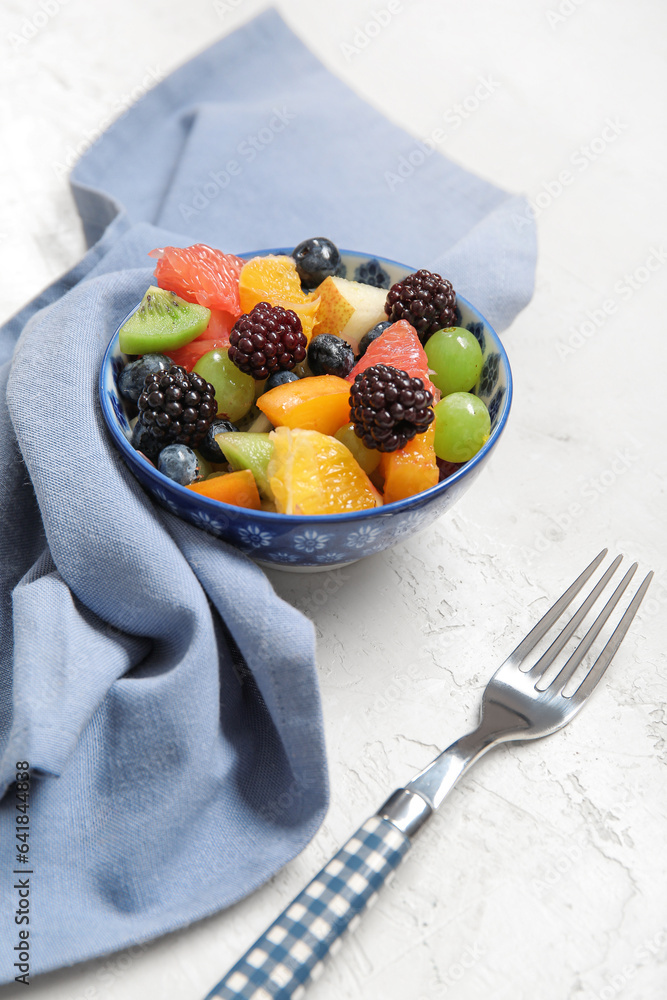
x,y
544,876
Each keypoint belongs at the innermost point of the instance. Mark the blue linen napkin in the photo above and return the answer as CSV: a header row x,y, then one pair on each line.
x,y
165,697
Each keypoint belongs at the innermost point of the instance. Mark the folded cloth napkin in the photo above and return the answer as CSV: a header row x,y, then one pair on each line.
x,y
165,698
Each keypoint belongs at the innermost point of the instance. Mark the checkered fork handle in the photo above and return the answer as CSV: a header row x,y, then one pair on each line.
x,y
291,951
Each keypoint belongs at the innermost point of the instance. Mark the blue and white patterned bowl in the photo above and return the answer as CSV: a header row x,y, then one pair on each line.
x,y
286,541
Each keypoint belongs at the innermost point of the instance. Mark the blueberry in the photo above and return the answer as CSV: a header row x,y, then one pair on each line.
x,y
280,378
372,273
372,335
179,463
209,447
330,355
133,376
316,259
145,441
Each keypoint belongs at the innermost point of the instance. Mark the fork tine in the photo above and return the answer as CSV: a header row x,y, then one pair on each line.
x,y
564,675
553,614
566,633
606,656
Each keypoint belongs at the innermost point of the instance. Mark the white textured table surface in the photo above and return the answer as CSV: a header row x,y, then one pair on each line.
x,y
545,874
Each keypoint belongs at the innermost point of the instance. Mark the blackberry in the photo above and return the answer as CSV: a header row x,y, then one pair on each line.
x,y
267,340
176,407
388,407
427,301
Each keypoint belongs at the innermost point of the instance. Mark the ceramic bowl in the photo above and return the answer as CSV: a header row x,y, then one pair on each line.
x,y
286,541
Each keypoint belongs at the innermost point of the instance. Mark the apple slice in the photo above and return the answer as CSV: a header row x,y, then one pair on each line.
x,y
348,309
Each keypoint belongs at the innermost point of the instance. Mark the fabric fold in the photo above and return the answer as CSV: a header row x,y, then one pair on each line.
x,y
158,685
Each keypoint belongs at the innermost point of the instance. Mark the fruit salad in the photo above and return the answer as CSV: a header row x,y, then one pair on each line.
x,y
276,383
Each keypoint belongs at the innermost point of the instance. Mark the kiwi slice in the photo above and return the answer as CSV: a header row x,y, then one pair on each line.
x,y
244,450
162,323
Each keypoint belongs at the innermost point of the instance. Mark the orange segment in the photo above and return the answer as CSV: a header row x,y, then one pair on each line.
x,y
306,311
410,469
320,403
238,488
274,279
313,473
264,278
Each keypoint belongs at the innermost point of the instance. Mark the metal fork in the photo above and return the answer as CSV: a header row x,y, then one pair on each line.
x,y
517,704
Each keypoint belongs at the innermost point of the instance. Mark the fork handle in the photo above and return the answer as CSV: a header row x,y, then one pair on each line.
x,y
290,952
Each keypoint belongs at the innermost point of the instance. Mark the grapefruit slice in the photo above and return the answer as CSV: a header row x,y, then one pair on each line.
x,y
400,347
200,274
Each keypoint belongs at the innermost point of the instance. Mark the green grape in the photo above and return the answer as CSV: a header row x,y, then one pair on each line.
x,y
462,426
367,458
234,391
456,359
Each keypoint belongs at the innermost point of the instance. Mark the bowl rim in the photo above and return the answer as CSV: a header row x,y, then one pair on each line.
x,y
273,517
